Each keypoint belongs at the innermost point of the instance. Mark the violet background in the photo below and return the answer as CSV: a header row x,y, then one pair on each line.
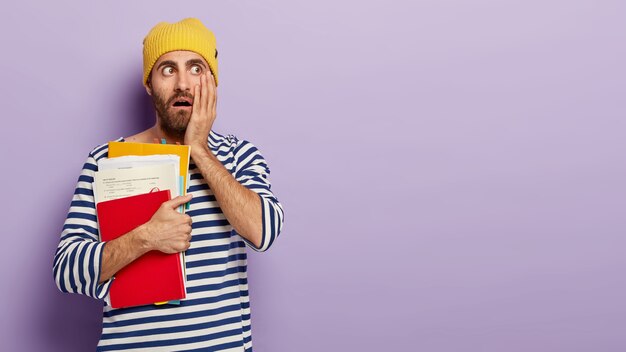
x,y
452,171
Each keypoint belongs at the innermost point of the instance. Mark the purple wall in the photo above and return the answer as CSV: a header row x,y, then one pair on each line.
x,y
452,171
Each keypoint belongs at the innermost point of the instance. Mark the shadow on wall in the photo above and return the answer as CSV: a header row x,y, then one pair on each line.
x,y
72,322
138,111
60,322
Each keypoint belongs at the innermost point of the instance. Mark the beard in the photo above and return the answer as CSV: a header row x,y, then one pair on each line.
x,y
173,122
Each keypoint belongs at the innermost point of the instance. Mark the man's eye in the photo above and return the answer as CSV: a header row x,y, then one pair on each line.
x,y
195,69
168,71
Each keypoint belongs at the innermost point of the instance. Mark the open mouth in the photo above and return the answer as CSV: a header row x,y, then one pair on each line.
x,y
182,103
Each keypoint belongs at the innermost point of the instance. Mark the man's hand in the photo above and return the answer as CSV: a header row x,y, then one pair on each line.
x,y
202,114
169,231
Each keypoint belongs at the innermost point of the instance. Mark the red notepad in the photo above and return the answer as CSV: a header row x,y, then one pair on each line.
x,y
155,276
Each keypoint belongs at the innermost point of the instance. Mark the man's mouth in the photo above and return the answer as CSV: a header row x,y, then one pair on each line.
x,y
182,102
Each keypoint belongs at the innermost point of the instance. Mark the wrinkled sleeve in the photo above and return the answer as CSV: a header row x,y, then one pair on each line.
x,y
253,172
78,257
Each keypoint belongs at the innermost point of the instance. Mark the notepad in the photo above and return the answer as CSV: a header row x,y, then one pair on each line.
x,y
155,276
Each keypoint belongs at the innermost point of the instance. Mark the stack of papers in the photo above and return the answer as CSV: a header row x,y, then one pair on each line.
x,y
133,175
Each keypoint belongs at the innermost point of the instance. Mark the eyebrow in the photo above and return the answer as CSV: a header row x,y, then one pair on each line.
x,y
188,63
195,62
166,63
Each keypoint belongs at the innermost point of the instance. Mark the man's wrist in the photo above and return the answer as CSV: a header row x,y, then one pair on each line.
x,y
202,156
199,150
141,238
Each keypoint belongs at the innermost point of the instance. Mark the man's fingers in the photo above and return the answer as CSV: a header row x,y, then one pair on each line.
x,y
200,96
212,94
214,107
196,99
205,91
178,201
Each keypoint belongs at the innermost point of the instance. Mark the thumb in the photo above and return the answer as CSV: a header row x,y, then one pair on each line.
x,y
178,201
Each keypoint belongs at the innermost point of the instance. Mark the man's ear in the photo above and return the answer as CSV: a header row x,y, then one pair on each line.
x,y
148,84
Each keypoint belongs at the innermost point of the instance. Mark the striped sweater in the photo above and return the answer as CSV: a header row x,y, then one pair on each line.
x,y
216,314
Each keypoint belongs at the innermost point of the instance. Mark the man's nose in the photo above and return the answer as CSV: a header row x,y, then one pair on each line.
x,y
184,82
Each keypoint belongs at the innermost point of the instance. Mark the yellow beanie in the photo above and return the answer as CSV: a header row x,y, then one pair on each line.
x,y
189,34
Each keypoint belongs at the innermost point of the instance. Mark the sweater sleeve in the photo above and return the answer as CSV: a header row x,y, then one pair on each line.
x,y
78,257
252,172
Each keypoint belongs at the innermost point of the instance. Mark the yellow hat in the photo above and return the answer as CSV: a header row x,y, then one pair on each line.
x,y
188,34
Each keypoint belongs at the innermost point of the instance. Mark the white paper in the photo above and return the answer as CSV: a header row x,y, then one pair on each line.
x,y
133,161
119,183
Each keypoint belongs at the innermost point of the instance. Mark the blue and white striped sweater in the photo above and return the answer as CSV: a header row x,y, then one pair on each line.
x,y
216,314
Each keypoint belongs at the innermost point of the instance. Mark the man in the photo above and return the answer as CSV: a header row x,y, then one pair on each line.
x,y
231,207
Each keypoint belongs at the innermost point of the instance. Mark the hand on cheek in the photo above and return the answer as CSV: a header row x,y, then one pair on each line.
x,y
203,112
